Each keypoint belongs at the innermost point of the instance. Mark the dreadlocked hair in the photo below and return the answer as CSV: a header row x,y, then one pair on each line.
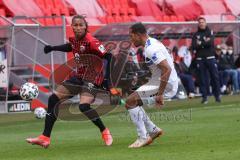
x,y
83,17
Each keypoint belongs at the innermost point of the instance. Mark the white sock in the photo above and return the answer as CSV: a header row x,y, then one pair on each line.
x,y
147,121
137,117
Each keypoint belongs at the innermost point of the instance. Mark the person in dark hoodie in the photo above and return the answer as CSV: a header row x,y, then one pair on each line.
x,y
237,64
203,47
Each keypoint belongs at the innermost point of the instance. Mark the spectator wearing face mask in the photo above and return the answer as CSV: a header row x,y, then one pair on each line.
x,y
185,76
237,64
226,66
223,75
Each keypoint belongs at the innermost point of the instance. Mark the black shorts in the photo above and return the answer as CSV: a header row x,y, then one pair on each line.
x,y
76,85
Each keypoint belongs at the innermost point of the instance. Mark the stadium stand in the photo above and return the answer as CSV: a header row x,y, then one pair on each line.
x,y
188,8
218,8
232,5
30,9
114,11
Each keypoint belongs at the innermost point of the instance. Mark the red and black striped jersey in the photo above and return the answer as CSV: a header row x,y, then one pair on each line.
x,y
88,53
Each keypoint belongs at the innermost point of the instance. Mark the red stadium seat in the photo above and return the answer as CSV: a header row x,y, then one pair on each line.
x,y
40,2
159,18
123,11
124,3
131,12
116,3
217,41
57,21
118,19
3,22
55,12
108,10
41,6
57,3
64,11
2,12
126,19
115,11
101,2
166,18
230,18
49,3
49,22
180,18
108,2
173,18
110,19
102,20
47,12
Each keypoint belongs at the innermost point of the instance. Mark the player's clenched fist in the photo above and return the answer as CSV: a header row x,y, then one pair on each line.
x,y
48,49
159,100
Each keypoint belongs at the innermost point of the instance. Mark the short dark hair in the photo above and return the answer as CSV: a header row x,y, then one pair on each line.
x,y
138,28
83,17
201,18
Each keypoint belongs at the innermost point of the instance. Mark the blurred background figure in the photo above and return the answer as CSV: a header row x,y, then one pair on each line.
x,y
237,64
227,71
183,70
185,54
133,57
203,48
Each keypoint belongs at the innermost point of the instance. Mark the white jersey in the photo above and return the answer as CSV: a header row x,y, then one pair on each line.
x,y
154,53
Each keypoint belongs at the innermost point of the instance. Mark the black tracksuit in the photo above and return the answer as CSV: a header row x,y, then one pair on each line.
x,y
203,47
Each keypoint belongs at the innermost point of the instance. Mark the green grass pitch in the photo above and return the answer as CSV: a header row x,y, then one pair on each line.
x,y
192,132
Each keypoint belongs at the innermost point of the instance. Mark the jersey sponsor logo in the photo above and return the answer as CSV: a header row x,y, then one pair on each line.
x,y
148,61
82,49
148,43
102,48
154,57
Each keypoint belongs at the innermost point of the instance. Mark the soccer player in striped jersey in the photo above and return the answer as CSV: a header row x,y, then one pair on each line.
x,y
82,44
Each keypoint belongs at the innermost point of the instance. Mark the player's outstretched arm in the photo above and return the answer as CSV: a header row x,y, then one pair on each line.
x,y
63,48
107,82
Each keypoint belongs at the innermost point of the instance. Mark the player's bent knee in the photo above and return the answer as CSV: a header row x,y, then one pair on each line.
x,y
53,99
84,107
86,98
131,103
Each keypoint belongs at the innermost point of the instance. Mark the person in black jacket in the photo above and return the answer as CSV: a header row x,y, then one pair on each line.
x,y
226,65
203,47
237,64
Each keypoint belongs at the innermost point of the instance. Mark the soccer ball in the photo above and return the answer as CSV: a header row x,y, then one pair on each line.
x,y
40,113
29,91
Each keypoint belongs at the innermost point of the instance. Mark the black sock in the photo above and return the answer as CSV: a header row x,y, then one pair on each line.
x,y
51,115
92,115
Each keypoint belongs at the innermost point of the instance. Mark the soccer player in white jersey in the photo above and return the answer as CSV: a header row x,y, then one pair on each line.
x,y
162,84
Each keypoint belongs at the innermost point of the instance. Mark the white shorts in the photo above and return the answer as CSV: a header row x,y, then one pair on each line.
x,y
148,91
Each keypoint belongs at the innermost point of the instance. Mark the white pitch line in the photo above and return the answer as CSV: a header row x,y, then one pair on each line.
x,y
205,108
